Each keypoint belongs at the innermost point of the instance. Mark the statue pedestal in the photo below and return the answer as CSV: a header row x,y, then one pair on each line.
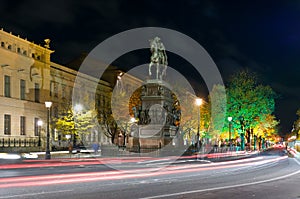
x,y
156,127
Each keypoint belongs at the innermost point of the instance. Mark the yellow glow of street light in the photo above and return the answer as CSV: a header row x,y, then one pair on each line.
x,y
198,101
48,104
78,108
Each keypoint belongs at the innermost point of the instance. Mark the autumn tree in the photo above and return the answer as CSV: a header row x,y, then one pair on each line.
x,y
77,123
117,117
189,113
296,126
266,127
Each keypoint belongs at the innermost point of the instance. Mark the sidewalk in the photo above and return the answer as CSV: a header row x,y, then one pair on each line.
x,y
65,155
202,154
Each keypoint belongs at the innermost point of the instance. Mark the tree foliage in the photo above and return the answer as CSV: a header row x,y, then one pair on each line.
x,y
70,122
249,103
296,126
217,105
189,113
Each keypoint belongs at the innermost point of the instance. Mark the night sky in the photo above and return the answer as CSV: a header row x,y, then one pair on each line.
x,y
263,36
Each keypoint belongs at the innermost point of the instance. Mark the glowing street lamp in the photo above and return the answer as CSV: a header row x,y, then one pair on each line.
x,y
48,106
40,123
198,103
132,120
78,108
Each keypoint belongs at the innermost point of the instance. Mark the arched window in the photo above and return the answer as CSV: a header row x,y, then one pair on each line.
x,y
2,44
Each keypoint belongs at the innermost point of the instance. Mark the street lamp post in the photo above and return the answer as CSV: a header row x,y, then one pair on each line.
x,y
39,123
198,103
229,120
48,106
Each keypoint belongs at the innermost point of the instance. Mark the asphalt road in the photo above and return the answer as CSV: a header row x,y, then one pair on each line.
x,y
271,175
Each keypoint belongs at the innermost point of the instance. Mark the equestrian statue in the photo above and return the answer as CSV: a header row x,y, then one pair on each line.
x,y
158,58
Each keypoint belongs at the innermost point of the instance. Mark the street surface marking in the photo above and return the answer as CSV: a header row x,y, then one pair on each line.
x,y
35,194
225,187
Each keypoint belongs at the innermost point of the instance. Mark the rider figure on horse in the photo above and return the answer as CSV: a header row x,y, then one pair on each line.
x,y
158,57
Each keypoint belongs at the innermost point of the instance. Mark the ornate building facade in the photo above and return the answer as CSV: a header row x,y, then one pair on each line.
x,y
28,79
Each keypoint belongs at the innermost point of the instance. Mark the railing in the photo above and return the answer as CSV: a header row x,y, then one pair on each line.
x,y
18,142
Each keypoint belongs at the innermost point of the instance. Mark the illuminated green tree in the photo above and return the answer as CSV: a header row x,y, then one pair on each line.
x,y
248,102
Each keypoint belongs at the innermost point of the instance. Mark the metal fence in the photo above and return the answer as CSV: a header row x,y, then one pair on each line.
x,y
14,142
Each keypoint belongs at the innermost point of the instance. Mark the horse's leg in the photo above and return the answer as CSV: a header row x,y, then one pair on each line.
x,y
157,70
150,69
163,72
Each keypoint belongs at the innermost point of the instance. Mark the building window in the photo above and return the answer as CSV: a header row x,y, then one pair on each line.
x,y
19,50
22,89
22,125
36,92
55,89
9,47
51,88
2,44
70,92
7,86
7,124
63,91
97,100
36,127
91,96
55,111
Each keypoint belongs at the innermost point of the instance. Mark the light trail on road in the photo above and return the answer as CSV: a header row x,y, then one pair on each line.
x,y
224,187
54,179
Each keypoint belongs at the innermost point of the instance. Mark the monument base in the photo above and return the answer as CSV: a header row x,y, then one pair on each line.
x,y
144,145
